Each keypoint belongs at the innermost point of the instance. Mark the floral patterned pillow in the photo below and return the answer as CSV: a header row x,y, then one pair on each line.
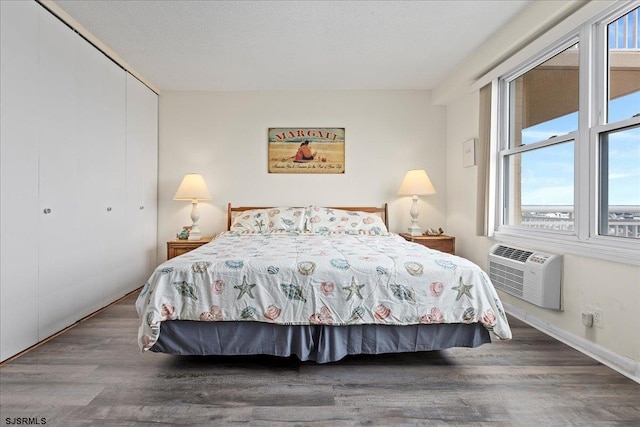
x,y
328,220
270,220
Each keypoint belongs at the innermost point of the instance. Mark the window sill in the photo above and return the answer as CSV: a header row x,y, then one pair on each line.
x,y
562,244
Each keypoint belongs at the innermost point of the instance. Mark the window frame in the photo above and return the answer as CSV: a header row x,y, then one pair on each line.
x,y
585,240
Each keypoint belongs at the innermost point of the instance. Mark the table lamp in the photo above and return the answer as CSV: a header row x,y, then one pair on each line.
x,y
416,183
193,189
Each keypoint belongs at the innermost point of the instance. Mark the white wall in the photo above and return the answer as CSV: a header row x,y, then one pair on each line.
x,y
223,135
613,287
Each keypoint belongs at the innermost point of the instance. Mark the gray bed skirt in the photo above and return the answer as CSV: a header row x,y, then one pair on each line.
x,y
319,343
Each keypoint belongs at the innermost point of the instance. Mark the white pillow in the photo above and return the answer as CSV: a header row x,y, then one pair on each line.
x,y
328,220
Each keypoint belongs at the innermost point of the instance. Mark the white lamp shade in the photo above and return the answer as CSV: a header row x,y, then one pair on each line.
x,y
416,183
192,188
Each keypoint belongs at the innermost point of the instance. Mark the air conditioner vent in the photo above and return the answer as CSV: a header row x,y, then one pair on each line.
x,y
532,276
512,253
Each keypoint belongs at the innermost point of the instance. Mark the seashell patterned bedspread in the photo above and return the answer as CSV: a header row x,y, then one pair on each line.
x,y
329,279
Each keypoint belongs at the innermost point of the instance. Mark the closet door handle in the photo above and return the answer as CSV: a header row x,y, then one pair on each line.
x,y
47,211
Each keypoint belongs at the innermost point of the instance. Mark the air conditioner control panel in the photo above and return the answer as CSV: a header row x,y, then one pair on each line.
x,y
538,258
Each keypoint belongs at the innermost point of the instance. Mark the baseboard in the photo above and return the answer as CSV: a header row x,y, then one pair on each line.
x,y
627,367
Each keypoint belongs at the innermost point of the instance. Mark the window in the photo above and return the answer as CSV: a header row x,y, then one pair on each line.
x,y
538,160
568,157
623,50
540,189
619,143
620,183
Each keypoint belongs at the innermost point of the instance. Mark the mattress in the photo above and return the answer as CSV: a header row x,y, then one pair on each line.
x,y
306,291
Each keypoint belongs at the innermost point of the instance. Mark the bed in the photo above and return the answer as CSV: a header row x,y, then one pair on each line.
x,y
317,283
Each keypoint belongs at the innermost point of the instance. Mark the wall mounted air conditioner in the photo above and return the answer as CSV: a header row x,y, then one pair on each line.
x,y
526,274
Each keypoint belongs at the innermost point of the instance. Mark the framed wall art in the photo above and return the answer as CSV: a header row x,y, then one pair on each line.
x,y
306,150
469,153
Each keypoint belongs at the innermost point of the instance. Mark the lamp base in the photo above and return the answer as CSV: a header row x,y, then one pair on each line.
x,y
194,236
415,231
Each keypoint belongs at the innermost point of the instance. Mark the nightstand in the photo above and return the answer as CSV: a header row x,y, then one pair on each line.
x,y
178,247
441,243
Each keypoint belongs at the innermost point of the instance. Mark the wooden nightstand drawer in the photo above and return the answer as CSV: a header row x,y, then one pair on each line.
x,y
441,243
178,247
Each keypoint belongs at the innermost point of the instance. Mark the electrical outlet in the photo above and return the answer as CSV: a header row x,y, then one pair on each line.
x,y
598,320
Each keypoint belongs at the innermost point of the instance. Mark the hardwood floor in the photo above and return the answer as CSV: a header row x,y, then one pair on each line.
x,y
94,374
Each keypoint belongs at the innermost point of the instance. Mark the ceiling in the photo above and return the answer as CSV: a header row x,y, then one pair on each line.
x,y
292,45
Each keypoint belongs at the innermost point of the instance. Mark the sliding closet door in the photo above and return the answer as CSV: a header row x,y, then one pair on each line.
x,y
78,208
101,110
112,150
82,177
60,241
18,177
142,176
